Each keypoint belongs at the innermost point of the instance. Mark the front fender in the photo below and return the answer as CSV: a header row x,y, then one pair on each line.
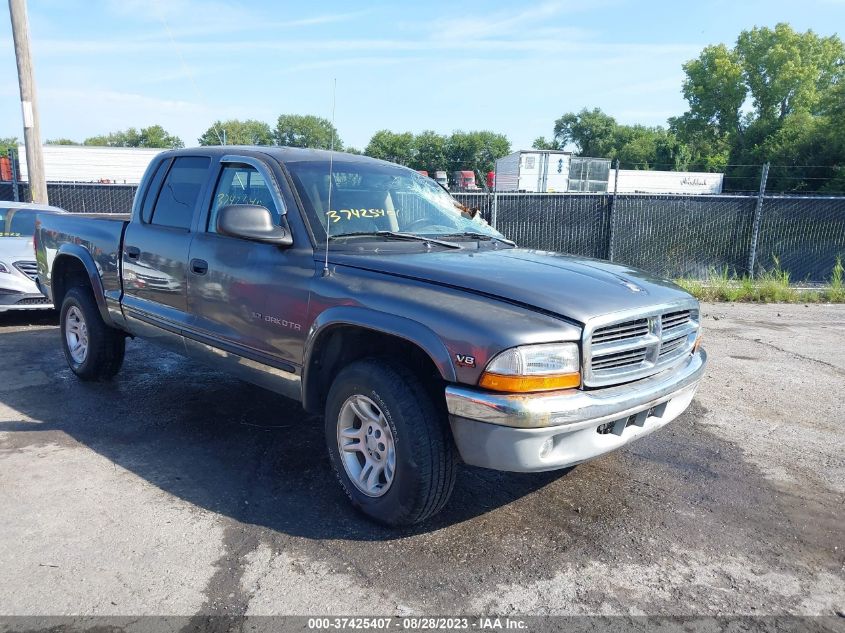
x,y
385,323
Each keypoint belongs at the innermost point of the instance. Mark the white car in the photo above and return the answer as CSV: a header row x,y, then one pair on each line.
x,y
18,268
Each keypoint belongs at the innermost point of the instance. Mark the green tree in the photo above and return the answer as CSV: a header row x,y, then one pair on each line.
x,y
9,144
153,136
392,146
542,143
787,71
475,151
791,80
298,130
595,133
592,132
715,90
429,151
61,141
237,132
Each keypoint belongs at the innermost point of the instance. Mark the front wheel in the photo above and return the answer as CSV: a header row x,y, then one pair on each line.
x,y
389,444
93,349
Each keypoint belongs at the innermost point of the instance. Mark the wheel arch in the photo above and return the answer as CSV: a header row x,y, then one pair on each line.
x,y
74,266
366,332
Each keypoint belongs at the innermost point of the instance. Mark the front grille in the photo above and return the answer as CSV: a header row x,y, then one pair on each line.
x,y
620,359
33,301
621,331
30,269
675,319
638,346
670,346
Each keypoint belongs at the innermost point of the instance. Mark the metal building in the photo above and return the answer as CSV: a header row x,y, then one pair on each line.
x,y
83,163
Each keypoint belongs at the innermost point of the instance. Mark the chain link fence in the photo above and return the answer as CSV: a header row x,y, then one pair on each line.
x,y
677,235
668,235
78,197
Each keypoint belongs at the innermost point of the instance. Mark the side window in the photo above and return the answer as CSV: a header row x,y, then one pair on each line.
x,y
152,190
180,192
3,214
241,184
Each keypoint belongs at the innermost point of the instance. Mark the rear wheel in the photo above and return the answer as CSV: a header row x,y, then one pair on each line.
x,y
389,444
94,350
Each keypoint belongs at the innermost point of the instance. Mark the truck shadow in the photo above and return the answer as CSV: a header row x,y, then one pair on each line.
x,y
211,440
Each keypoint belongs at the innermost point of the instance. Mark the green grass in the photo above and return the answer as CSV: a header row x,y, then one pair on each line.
x,y
771,286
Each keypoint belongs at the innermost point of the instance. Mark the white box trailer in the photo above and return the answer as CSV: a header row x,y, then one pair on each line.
x,y
535,171
642,181
551,171
84,163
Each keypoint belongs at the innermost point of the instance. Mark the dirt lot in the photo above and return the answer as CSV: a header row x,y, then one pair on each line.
x,y
179,490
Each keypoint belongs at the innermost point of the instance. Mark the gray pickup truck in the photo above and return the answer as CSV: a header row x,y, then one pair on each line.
x,y
363,290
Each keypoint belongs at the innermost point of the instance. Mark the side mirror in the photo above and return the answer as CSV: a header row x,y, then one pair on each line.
x,y
253,222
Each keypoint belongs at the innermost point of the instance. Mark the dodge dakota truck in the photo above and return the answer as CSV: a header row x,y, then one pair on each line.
x,y
364,291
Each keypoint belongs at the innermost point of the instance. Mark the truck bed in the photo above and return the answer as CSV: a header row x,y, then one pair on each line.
x,y
101,235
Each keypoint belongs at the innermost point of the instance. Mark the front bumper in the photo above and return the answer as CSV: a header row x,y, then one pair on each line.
x,y
23,301
21,293
548,431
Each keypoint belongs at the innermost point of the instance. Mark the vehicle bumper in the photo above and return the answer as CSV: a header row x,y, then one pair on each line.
x,y
20,293
23,301
548,431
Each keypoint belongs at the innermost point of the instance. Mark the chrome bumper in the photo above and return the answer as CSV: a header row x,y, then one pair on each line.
x,y
548,431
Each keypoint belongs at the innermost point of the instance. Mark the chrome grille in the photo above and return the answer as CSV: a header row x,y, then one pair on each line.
x,y
674,319
670,346
620,359
638,345
30,269
621,331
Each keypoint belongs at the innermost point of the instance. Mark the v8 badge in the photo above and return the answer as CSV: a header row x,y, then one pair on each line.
x,y
464,360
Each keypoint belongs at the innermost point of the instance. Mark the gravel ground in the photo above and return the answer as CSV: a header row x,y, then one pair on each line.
x,y
179,490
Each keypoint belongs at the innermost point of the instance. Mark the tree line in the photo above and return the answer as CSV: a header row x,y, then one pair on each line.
x,y
775,96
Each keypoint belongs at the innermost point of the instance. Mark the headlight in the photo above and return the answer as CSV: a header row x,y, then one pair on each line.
x,y
534,368
4,268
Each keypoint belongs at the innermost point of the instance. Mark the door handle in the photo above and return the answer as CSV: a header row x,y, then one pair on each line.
x,y
199,266
132,252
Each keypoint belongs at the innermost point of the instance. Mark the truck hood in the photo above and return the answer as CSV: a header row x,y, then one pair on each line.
x,y
575,288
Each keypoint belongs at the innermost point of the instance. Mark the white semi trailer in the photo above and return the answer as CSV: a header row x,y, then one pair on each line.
x,y
684,182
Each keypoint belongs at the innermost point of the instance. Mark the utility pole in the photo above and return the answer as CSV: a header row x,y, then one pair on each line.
x,y
29,108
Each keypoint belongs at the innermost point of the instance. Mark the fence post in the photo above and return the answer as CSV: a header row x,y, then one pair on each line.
x,y
494,211
612,213
14,167
755,225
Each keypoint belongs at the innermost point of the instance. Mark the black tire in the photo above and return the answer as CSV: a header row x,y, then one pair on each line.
x,y
425,463
106,345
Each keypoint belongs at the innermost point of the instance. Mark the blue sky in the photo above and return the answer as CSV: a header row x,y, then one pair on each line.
x,y
511,67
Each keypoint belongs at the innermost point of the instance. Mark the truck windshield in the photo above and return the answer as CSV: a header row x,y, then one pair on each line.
x,y
368,198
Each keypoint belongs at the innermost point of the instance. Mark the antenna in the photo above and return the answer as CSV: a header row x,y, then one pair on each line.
x,y
331,172
187,71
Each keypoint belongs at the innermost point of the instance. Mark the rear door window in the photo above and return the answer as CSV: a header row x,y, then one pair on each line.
x,y
177,200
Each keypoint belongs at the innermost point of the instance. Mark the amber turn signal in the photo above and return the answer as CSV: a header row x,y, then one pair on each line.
x,y
697,343
527,384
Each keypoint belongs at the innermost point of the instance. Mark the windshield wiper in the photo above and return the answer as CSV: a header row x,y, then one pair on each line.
x,y
396,236
480,236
